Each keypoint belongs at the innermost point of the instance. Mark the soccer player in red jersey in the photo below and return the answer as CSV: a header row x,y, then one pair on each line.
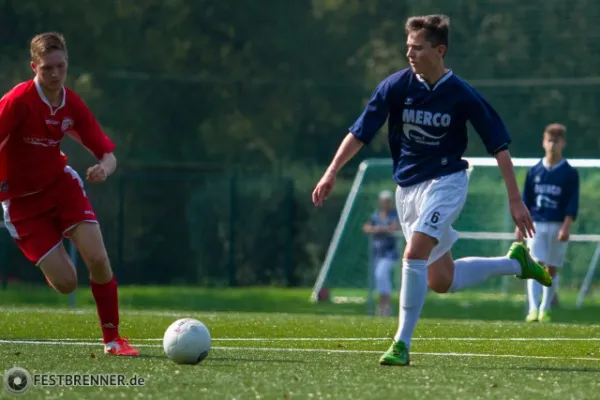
x,y
42,197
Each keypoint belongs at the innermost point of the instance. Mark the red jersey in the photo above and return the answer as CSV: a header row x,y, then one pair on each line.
x,y
30,134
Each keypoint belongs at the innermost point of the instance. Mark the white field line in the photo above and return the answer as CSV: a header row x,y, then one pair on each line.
x,y
275,349
373,339
346,339
210,315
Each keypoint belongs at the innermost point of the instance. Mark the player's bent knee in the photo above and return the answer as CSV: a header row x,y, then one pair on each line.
x,y
415,253
65,286
439,284
64,280
88,238
419,247
99,267
441,274
99,260
58,270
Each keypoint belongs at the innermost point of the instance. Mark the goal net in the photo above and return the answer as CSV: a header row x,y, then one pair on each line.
x,y
485,225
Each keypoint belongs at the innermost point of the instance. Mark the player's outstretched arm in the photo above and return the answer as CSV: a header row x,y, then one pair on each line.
x,y
360,133
518,210
528,199
348,149
496,139
91,136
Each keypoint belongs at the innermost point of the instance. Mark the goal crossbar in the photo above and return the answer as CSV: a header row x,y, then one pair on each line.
x,y
491,162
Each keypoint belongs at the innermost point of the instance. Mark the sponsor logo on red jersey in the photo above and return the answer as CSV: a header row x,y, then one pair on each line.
x,y
67,124
44,142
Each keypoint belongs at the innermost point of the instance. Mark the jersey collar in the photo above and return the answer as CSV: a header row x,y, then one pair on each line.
x,y
550,168
45,100
443,79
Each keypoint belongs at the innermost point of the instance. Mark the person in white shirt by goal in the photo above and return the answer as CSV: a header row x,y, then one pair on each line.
x,y
382,227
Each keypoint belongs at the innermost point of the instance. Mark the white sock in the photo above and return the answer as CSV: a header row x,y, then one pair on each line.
x,y
548,295
534,289
471,271
412,297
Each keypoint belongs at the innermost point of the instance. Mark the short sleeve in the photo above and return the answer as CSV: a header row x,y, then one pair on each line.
x,y
375,113
573,195
528,192
487,123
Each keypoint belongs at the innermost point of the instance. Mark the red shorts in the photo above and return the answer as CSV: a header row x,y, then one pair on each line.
x,y
38,222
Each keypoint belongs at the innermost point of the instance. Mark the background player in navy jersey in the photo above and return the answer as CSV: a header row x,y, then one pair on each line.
x,y
382,227
427,108
551,194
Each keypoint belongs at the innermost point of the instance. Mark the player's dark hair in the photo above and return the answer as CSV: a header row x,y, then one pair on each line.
x,y
436,28
556,130
45,43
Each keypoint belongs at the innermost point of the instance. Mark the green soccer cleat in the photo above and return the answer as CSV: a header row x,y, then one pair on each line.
x,y
530,269
545,317
396,355
532,317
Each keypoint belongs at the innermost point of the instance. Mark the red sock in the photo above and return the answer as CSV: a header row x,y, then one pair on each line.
x,y
107,303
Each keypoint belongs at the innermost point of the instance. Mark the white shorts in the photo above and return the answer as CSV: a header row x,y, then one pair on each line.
x,y
383,274
431,207
545,246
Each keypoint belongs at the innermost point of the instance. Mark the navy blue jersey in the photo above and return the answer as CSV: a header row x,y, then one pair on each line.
x,y
384,244
427,127
552,193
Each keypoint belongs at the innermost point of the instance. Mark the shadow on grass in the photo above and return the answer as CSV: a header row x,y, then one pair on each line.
x,y
228,359
222,361
154,356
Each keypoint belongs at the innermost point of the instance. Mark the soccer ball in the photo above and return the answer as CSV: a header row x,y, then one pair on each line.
x,y
187,341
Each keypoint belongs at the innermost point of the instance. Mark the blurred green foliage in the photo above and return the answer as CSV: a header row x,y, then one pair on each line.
x,y
200,94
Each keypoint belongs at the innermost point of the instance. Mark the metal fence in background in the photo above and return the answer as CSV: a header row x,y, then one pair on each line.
x,y
187,228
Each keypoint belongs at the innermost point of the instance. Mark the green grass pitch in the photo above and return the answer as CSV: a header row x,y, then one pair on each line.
x,y
485,352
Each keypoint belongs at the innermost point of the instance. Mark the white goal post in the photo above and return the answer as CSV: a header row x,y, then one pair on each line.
x,y
474,162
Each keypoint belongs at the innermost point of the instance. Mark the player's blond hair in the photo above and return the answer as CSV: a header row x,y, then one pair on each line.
x,y
556,130
45,43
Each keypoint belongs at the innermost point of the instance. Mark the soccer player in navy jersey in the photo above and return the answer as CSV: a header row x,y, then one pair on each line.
x,y
551,194
427,108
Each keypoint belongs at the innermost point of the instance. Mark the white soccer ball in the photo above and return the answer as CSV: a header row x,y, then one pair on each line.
x,y
187,341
